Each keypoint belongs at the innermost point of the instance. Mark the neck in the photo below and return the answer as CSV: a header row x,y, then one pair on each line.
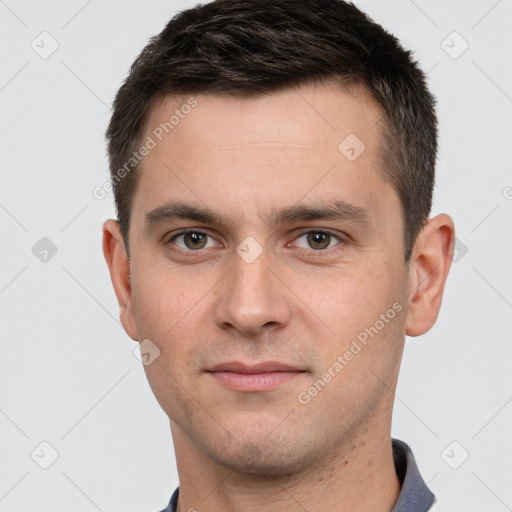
x,y
356,476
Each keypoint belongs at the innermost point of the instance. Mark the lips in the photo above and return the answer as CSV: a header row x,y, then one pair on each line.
x,y
253,378
265,367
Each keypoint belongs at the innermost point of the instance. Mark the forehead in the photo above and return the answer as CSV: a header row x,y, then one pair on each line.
x,y
268,150
324,110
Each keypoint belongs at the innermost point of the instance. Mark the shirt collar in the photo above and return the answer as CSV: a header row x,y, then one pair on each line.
x,y
414,496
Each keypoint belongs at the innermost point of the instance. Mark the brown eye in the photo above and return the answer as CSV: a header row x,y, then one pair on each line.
x,y
191,240
195,240
318,240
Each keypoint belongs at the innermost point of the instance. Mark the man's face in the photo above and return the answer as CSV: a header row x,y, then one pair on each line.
x,y
255,285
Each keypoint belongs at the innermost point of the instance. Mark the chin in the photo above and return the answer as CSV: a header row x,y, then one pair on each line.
x,y
265,457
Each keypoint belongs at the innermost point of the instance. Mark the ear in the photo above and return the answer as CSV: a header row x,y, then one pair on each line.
x,y
428,269
119,267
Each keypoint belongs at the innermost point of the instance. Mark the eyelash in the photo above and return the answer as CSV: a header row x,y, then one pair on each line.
x,y
308,252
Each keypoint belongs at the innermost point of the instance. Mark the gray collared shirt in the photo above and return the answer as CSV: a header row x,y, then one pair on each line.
x,y
414,496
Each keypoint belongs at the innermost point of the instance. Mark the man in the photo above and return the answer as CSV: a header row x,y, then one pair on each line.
x,y
273,166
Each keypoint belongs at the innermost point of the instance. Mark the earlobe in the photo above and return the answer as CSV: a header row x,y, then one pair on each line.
x,y
428,270
119,268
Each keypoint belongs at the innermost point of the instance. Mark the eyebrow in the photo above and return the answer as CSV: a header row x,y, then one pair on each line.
x,y
332,210
300,212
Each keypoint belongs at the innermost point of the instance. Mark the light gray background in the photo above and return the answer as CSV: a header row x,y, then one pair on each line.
x,y
68,373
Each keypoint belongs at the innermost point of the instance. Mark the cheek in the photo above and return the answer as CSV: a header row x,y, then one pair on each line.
x,y
163,296
378,305
167,309
365,307
361,366
172,390
350,300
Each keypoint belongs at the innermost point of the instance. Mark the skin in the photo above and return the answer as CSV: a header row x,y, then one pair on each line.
x,y
299,302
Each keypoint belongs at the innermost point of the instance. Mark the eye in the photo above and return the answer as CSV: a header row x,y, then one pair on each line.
x,y
192,240
317,240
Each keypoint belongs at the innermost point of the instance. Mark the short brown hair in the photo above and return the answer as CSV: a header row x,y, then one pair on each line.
x,y
253,47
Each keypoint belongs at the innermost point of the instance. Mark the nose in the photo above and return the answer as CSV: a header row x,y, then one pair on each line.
x,y
251,298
